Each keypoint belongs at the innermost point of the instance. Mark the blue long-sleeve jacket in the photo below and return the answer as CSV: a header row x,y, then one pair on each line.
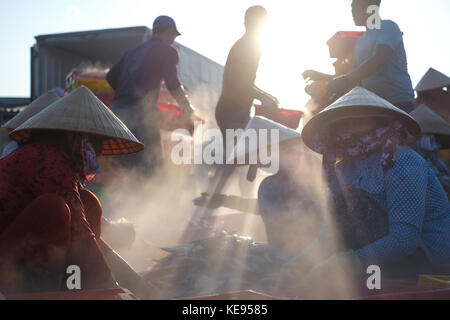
x,y
417,207
142,69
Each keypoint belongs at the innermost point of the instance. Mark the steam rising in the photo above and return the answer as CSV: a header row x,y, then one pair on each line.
x,y
161,211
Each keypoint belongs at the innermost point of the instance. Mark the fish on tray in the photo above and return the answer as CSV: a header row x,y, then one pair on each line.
x,y
223,263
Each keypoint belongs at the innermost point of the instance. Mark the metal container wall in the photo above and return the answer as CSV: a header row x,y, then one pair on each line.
x,y
54,56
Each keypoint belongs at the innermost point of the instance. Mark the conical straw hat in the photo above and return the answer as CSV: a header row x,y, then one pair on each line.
x,y
432,123
285,135
82,111
33,108
433,79
358,103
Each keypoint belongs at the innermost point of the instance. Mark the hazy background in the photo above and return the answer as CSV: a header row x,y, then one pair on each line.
x,y
296,38
161,208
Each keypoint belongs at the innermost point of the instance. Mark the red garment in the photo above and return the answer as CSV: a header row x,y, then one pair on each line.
x,y
33,170
39,236
42,168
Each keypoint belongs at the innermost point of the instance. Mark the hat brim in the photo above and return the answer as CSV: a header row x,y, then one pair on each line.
x,y
81,111
320,125
178,33
261,123
430,122
283,145
112,146
432,80
32,109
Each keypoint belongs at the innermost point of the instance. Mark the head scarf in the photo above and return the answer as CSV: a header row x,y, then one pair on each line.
x,y
350,146
87,164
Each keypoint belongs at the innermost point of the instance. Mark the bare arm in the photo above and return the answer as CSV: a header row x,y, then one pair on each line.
x,y
341,85
172,81
183,100
389,37
216,201
317,76
242,204
265,98
382,54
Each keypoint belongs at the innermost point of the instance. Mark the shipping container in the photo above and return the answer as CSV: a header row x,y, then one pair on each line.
x,y
54,56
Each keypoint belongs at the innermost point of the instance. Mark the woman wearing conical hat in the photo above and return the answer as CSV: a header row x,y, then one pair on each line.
x,y
47,220
435,137
371,137
289,207
33,108
433,91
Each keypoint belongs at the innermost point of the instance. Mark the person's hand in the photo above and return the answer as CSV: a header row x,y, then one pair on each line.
x,y
337,88
313,75
269,102
316,89
210,201
276,101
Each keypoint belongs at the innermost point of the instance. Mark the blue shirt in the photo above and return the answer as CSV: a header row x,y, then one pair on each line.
x,y
392,81
141,70
417,207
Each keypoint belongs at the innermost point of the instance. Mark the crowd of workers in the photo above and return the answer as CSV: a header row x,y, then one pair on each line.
x,y
385,176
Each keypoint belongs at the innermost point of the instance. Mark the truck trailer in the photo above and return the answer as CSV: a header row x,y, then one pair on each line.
x,y
54,56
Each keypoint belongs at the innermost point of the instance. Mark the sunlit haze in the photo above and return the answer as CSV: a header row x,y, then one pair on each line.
x,y
295,38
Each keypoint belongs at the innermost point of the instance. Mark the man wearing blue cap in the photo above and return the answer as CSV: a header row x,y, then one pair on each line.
x,y
137,80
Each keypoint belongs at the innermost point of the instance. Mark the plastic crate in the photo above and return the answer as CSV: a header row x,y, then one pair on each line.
x,y
342,44
95,81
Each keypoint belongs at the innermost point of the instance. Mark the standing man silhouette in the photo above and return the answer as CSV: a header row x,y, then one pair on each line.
x,y
239,90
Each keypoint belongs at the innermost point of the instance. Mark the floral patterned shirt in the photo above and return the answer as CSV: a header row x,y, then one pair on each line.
x,y
40,168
